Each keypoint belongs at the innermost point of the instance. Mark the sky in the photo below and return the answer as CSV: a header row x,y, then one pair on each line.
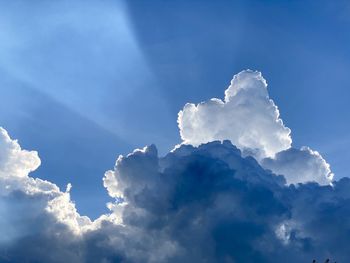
x,y
174,131
83,82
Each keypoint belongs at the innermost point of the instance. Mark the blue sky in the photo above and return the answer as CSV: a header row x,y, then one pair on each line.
x,y
83,83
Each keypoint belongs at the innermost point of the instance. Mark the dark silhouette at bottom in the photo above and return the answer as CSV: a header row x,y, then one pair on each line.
x,y
327,261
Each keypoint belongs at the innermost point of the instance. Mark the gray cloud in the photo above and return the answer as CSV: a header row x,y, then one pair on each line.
x,y
210,204
196,204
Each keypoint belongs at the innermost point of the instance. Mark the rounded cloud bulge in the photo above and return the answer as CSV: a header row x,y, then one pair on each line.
x,y
300,166
251,121
19,189
247,117
13,160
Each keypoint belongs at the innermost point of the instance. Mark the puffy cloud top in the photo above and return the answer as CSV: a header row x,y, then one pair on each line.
x,y
15,166
251,121
247,117
13,160
300,166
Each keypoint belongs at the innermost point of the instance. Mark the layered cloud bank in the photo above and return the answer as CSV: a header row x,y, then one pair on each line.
x,y
206,202
251,121
196,204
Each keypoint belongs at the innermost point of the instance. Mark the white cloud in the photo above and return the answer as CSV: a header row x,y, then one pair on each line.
x,y
247,117
15,166
251,120
300,166
15,162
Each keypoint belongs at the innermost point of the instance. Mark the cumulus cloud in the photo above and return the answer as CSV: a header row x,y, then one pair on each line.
x,y
15,166
251,121
247,117
206,201
197,204
15,162
300,166
211,204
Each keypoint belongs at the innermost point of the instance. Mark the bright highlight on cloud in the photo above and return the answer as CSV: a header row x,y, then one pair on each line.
x,y
206,202
300,166
247,117
15,162
15,165
251,121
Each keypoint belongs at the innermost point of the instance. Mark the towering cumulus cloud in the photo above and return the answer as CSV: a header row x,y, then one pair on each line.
x,y
247,117
207,202
251,120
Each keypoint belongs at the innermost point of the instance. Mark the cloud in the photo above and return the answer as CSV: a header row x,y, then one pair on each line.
x,y
44,196
184,199
247,117
300,166
211,204
259,201
251,121
197,204
15,162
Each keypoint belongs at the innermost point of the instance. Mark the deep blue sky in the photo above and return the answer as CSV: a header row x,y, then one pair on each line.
x,y
84,81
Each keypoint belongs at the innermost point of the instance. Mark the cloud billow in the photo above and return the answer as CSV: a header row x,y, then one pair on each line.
x,y
251,120
247,117
300,166
207,202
